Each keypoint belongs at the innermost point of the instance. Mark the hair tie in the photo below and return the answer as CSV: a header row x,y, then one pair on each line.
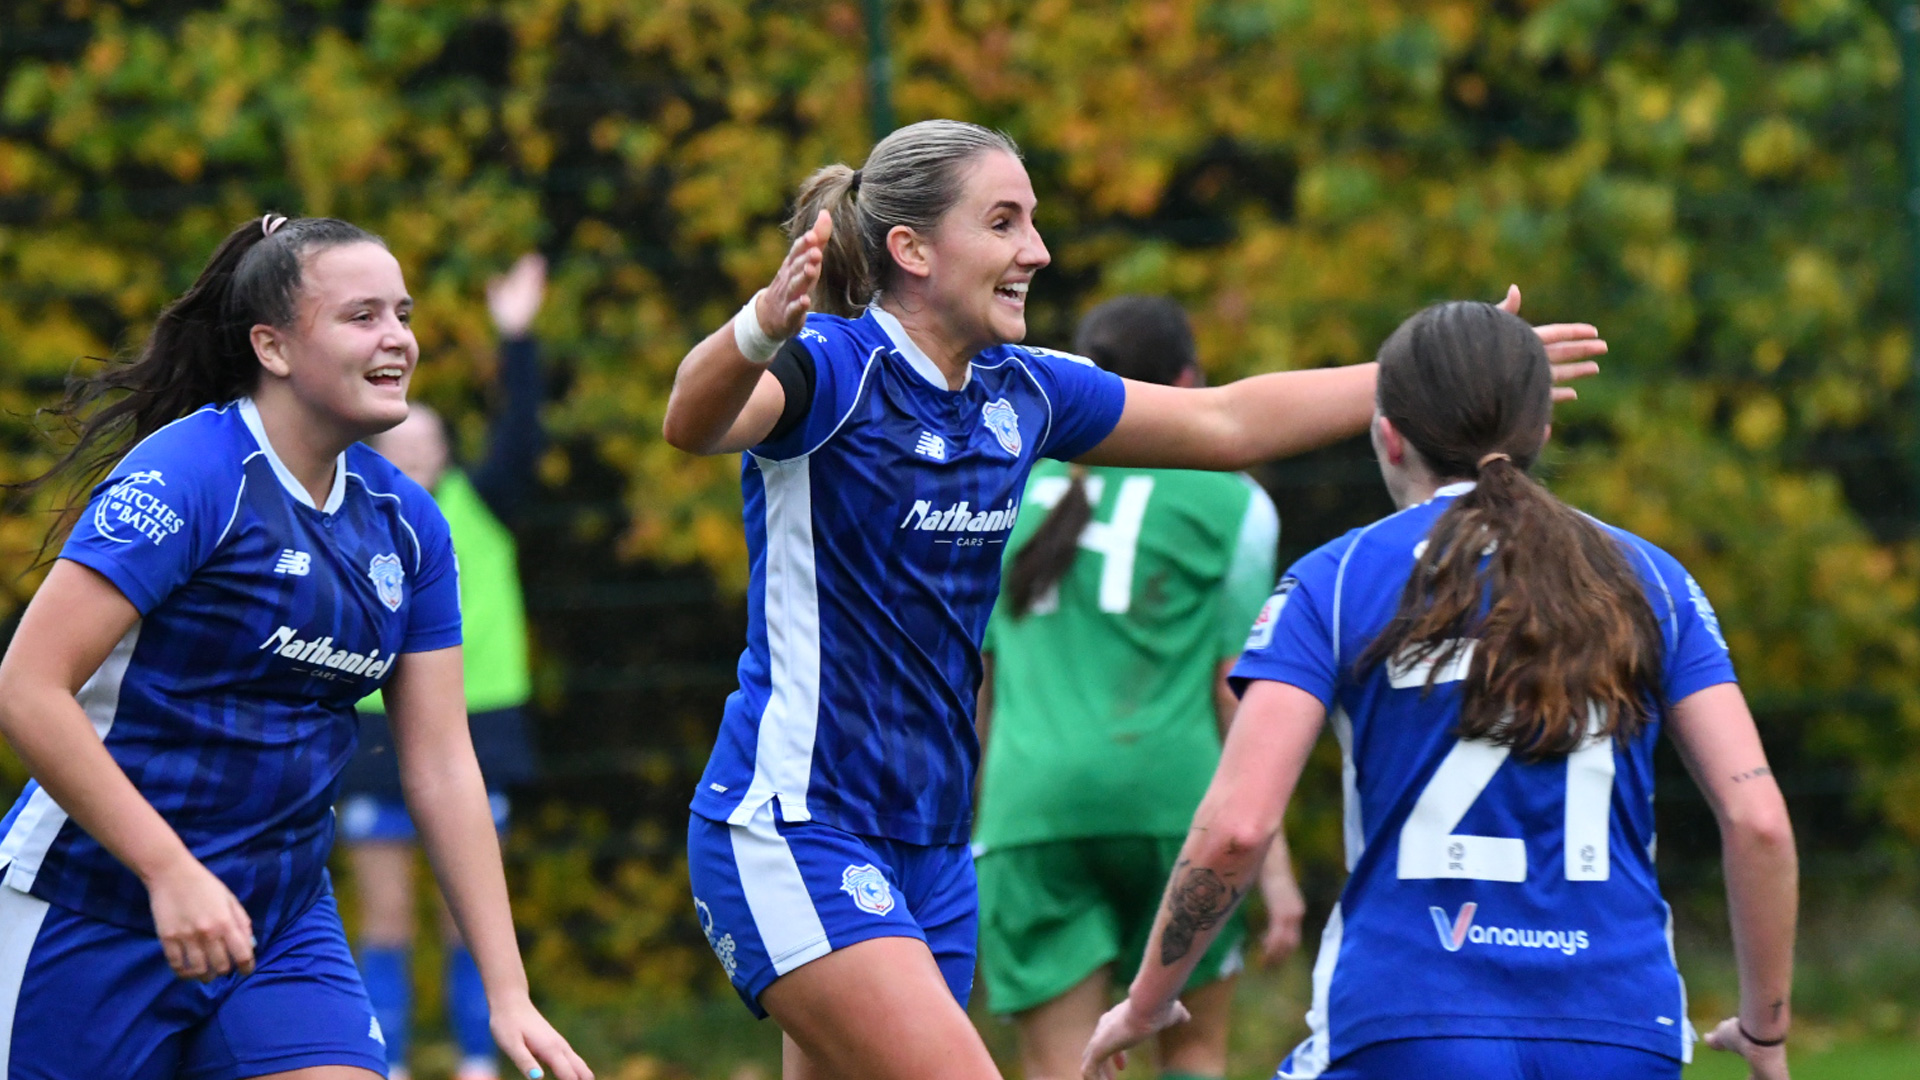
x,y
1497,455
853,187
269,223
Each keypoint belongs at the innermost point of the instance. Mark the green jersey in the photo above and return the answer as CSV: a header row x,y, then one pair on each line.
x,y
1103,718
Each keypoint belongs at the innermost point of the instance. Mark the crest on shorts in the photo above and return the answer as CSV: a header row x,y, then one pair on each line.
x,y
723,946
387,576
1004,423
868,887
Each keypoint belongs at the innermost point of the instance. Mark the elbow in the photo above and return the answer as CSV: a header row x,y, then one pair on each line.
x,y
676,432
1234,843
1764,829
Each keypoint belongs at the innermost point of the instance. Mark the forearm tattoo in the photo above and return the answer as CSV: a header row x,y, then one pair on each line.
x,y
1752,774
1198,900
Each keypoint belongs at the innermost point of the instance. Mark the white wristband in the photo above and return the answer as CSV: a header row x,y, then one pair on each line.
x,y
750,338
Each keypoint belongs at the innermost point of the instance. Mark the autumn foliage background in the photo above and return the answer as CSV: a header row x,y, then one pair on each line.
x,y
1715,184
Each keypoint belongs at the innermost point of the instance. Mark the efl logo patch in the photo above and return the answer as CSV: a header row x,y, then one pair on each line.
x,y
1262,633
1004,423
387,576
868,887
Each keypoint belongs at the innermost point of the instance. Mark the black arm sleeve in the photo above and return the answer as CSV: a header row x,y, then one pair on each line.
x,y
793,366
505,478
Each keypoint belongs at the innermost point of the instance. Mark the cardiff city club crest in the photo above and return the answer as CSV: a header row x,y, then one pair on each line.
x,y
868,887
1004,423
387,576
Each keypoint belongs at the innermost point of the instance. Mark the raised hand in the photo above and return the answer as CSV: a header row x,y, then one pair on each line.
x,y
1568,346
514,298
203,930
783,305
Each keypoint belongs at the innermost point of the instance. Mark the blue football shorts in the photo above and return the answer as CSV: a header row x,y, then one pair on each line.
x,y
1501,1059
773,895
82,999
373,819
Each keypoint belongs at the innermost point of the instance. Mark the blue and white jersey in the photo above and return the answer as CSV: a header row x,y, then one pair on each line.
x,y
875,529
1486,896
263,618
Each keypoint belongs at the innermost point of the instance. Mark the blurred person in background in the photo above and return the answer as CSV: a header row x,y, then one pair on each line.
x,y
374,824
1497,668
181,688
887,442
1126,598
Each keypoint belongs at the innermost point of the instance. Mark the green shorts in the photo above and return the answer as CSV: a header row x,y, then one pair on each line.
x,y
1051,914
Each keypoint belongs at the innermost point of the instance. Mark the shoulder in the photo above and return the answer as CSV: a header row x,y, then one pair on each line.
x,y
1049,357
1668,582
203,452
831,336
380,480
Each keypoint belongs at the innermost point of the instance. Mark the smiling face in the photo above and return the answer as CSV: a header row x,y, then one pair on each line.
x,y
977,263
350,352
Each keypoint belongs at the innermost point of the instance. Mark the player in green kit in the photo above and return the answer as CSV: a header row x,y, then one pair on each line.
x,y
1128,594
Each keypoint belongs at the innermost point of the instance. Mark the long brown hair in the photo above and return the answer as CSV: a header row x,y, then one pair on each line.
x,y
1557,618
200,351
1144,338
912,178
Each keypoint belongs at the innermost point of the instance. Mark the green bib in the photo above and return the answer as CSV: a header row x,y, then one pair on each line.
x,y
493,616
1103,709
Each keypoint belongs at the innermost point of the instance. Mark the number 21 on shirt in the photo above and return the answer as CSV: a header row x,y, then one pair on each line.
x,y
1429,847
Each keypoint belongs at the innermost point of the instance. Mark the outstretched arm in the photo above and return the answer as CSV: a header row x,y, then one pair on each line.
x,y
1221,860
1257,419
1717,740
723,401
426,703
506,476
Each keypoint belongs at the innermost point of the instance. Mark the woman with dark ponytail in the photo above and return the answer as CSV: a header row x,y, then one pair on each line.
x,y
182,686
888,440
1497,667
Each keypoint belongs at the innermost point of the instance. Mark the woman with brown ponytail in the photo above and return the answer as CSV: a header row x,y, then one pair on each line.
x,y
1497,667
888,440
182,688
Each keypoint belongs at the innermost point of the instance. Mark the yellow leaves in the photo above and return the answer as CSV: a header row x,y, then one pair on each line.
x,y
1759,423
1774,148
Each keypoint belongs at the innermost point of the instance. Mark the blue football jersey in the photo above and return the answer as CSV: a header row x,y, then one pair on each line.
x,y
263,618
875,531
1486,896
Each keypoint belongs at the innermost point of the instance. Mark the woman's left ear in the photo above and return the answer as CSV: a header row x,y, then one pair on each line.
x,y
267,348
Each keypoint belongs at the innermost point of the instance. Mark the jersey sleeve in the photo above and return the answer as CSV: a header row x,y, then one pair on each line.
x,y
1085,402
433,622
1292,640
1697,655
1249,578
158,516
838,362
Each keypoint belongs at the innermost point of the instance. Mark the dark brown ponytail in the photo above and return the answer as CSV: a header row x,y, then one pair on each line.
x,y
200,351
1558,618
1145,338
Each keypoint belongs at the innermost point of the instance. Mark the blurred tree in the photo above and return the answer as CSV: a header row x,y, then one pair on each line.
x,y
1715,184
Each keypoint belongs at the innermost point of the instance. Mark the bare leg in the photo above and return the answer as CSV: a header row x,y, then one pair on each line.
x,y
1199,1046
1054,1035
876,1010
324,1072
383,876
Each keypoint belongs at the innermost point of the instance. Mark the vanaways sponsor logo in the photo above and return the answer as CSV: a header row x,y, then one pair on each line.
x,y
1458,930
320,653
959,517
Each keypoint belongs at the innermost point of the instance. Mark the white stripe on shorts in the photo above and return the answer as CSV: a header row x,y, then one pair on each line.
x,y
20,919
777,895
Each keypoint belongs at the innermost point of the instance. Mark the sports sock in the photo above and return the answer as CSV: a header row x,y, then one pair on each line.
x,y
467,1010
388,972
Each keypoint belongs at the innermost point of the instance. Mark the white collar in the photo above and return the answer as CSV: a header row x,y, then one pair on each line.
x,y
1458,487
916,359
250,413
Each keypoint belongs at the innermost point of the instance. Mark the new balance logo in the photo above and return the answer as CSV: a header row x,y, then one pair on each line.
x,y
931,446
297,563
